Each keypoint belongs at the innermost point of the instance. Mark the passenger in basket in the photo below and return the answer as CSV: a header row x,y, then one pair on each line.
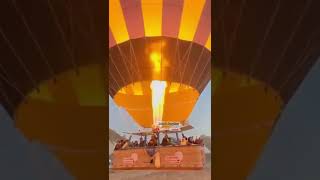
x,y
141,144
183,141
170,141
165,140
135,144
184,136
153,141
118,145
190,140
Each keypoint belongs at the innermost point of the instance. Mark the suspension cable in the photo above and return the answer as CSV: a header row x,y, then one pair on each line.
x,y
28,73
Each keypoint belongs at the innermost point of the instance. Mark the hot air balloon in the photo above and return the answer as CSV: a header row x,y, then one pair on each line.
x,y
159,62
166,41
262,54
52,80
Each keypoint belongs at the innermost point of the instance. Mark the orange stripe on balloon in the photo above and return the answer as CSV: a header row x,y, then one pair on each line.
x,y
171,17
192,10
132,12
204,26
116,22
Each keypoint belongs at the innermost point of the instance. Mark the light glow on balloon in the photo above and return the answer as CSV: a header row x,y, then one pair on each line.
x,y
156,60
158,89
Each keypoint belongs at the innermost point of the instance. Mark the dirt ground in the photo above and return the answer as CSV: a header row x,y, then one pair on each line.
x,y
204,174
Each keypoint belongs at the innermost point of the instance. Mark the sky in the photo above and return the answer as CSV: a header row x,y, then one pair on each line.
x,y
200,117
23,159
293,149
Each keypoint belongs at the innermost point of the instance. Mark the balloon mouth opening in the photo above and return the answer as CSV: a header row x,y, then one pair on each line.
x,y
153,102
143,88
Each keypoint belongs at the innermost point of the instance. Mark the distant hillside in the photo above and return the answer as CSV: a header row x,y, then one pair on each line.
x,y
114,136
206,141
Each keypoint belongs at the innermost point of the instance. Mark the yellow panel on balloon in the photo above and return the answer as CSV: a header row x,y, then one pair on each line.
x,y
117,22
89,86
192,10
178,106
208,43
152,17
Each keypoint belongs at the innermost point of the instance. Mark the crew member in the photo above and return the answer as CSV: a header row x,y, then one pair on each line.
x,y
165,140
153,141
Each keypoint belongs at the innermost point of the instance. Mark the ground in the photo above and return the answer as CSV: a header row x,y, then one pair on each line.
x,y
205,174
